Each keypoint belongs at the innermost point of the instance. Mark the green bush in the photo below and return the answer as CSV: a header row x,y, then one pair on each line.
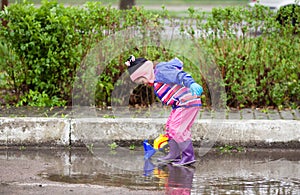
x,y
47,44
43,47
42,39
257,56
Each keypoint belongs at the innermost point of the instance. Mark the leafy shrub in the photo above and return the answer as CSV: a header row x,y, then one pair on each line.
x,y
42,49
258,57
44,46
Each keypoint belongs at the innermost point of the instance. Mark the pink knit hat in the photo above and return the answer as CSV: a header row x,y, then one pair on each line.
x,y
140,67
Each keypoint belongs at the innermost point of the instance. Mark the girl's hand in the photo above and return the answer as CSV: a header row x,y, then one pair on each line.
x,y
196,89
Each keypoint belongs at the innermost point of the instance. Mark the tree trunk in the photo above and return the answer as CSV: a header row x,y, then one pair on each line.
x,y
4,3
126,4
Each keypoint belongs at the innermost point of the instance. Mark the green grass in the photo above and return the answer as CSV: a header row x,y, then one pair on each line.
x,y
152,2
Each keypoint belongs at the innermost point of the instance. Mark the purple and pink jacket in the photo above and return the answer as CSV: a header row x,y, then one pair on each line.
x,y
172,84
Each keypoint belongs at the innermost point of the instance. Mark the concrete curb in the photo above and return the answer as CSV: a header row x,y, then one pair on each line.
x,y
38,131
34,131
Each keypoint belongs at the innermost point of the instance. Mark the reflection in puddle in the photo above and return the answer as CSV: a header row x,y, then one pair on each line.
x,y
179,180
259,172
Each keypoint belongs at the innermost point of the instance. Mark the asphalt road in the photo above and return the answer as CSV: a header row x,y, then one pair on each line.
x,y
52,171
21,172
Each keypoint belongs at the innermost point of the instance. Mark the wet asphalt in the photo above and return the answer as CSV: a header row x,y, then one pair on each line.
x,y
102,170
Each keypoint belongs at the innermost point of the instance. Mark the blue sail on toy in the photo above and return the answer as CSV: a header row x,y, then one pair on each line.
x,y
160,144
148,150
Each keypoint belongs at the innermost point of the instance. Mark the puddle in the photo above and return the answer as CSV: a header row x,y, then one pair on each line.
x,y
253,172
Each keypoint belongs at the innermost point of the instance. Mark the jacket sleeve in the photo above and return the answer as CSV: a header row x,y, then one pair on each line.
x,y
171,73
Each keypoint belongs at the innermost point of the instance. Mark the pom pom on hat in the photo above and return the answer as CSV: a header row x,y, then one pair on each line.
x,y
130,60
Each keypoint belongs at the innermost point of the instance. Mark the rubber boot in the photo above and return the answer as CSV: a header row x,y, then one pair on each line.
x,y
174,153
187,156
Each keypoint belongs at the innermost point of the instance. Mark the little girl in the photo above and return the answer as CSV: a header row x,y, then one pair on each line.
x,y
175,88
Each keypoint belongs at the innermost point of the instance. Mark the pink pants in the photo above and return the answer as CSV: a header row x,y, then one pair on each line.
x,y
179,123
